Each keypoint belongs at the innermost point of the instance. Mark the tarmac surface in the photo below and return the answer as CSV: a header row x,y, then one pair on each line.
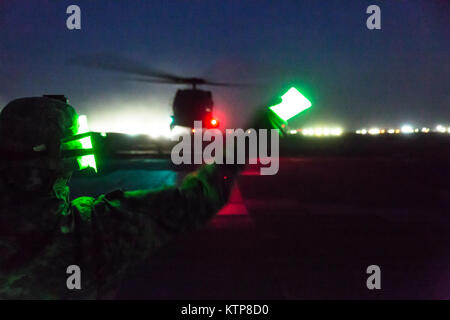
x,y
308,232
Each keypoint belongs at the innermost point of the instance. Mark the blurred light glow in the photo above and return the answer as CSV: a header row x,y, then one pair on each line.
x,y
440,128
321,131
374,131
141,115
318,131
137,126
337,131
407,129
306,132
391,131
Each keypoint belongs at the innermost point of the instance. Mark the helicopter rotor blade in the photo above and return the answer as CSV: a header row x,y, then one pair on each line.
x,y
188,81
225,84
162,81
127,66
121,64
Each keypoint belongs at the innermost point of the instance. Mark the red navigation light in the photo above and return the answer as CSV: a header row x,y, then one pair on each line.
x,y
214,123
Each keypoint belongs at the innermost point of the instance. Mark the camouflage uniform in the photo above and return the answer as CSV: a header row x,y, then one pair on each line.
x,y
42,232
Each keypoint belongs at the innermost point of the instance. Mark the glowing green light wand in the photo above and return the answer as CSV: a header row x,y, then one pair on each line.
x,y
86,143
292,103
276,116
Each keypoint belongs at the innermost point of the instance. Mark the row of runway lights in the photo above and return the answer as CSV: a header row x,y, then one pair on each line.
x,y
406,129
318,132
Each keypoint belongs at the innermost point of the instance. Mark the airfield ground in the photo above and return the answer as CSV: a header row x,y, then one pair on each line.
x,y
311,230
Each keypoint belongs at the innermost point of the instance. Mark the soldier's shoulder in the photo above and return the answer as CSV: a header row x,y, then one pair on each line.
x,y
84,206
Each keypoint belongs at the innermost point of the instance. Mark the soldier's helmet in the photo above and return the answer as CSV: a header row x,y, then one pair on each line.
x,y
31,130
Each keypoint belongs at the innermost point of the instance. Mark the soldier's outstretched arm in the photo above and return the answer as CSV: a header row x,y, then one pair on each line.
x,y
128,225
171,210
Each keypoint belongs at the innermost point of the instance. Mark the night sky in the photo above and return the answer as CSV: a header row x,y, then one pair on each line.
x,y
354,77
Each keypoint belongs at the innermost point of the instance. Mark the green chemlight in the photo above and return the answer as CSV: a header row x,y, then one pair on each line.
x,y
86,143
293,102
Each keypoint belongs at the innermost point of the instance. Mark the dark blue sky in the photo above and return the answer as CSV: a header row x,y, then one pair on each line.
x,y
353,76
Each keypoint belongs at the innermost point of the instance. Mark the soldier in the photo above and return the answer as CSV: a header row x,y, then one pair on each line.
x,y
42,232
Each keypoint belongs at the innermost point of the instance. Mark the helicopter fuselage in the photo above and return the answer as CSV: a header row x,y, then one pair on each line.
x,y
191,105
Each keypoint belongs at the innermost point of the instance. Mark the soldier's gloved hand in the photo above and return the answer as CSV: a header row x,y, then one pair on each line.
x,y
265,118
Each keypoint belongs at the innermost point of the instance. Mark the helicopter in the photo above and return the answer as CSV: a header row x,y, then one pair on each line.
x,y
189,104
